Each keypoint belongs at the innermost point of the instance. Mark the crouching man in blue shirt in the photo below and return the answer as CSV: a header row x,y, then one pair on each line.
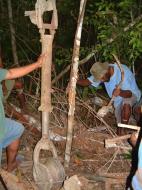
x,y
125,97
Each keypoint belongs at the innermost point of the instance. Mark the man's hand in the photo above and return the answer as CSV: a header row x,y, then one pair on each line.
x,y
22,71
116,92
41,59
123,93
83,82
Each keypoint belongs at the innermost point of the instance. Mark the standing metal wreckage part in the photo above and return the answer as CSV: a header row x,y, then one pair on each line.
x,y
52,172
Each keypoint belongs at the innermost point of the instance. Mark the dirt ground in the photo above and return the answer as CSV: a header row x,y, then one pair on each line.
x,y
97,167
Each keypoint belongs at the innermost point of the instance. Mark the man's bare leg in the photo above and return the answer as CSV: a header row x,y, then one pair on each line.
x,y
11,151
126,113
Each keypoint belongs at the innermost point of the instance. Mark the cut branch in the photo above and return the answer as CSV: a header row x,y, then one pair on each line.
x,y
81,62
122,77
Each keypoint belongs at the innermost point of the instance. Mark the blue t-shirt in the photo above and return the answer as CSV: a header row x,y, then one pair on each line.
x,y
129,83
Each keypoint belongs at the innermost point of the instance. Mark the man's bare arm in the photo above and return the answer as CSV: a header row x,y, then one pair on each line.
x,y
83,82
125,93
21,71
122,93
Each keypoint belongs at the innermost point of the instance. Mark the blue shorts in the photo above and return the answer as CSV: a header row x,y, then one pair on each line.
x,y
136,184
13,131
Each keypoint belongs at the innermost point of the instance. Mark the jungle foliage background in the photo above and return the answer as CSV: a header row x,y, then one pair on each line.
x,y
112,26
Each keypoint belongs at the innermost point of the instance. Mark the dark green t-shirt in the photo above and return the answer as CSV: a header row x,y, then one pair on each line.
x,y
3,73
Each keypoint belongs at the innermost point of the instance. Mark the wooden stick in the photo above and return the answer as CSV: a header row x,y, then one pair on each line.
x,y
81,62
122,78
137,128
109,142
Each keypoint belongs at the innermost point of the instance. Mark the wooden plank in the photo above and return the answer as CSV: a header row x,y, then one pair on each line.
x,y
134,127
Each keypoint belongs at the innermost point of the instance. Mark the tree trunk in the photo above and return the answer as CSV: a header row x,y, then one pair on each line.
x,y
2,10
12,32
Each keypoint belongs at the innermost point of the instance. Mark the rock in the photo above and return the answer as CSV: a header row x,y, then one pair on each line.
x,y
73,183
104,111
98,101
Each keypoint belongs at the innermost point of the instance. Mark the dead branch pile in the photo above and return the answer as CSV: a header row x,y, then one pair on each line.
x,y
90,132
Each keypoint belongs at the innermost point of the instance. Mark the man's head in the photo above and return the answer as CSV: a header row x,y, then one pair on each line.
x,y
100,71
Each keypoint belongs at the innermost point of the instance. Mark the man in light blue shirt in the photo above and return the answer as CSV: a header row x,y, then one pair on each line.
x,y
125,96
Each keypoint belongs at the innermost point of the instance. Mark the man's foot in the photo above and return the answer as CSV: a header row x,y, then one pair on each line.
x,y
133,139
14,165
11,167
